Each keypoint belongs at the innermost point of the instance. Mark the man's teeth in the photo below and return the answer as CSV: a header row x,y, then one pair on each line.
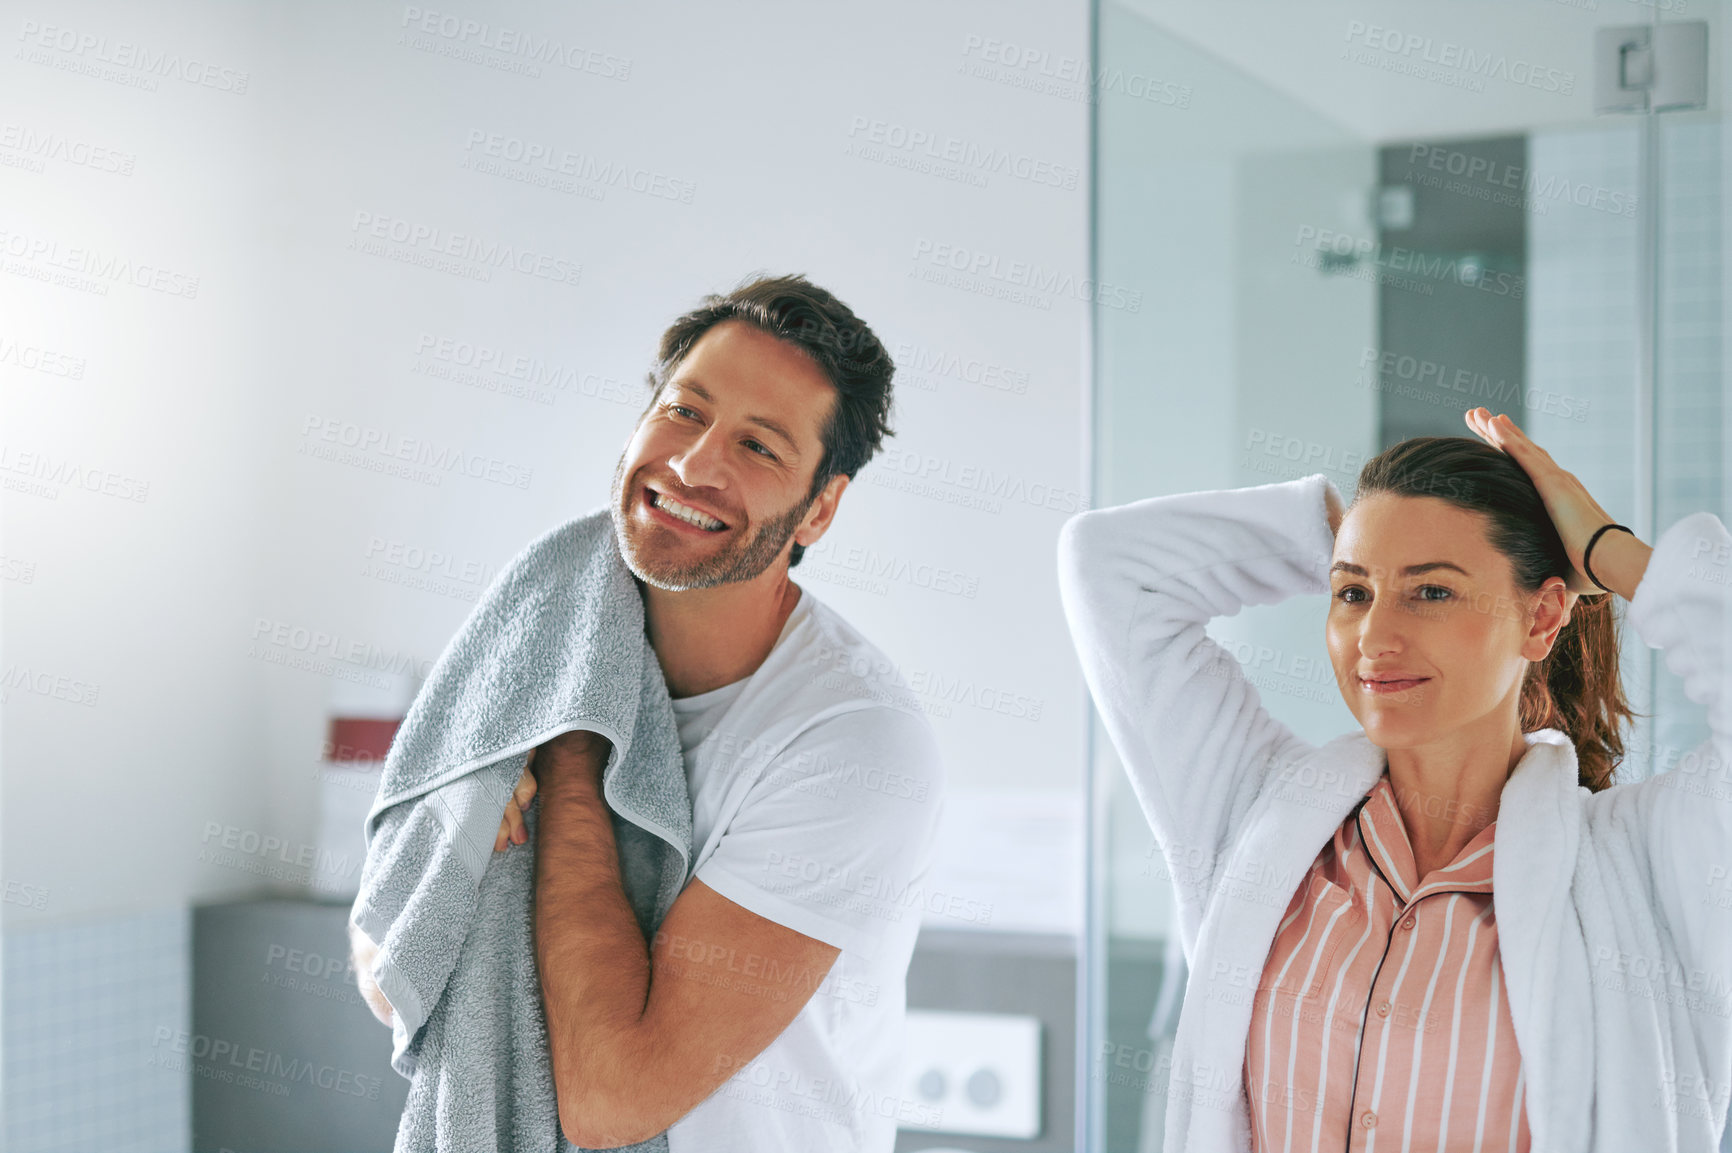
x,y
686,513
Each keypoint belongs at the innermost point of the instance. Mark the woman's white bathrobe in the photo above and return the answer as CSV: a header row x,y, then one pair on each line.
x,y
1614,909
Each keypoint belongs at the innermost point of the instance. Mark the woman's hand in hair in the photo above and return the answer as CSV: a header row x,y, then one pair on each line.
x,y
1576,514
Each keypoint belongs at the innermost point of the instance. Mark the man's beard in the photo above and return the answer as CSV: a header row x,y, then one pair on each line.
x,y
741,561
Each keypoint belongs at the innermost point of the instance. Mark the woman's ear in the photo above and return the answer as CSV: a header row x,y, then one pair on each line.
x,y
1551,614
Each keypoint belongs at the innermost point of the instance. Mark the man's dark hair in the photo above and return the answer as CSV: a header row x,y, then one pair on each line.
x,y
793,309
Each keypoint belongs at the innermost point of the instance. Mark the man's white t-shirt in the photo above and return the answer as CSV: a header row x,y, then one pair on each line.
x,y
816,789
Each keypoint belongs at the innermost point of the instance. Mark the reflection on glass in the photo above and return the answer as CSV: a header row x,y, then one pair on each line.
x,y
1347,246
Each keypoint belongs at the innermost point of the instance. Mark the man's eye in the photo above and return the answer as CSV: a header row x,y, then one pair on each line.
x,y
682,410
761,449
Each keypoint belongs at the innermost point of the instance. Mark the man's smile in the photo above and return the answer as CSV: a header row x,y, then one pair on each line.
x,y
684,513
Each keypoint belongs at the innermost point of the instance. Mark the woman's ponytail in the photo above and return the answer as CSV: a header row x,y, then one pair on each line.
x,y
1576,689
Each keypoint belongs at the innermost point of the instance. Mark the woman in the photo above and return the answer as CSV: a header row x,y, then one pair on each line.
x,y
1448,930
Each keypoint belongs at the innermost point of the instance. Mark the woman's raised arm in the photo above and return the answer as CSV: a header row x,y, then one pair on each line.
x,y
1139,583
1680,601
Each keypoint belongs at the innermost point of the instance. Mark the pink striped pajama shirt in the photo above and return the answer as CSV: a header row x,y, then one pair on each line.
x,y
1381,1021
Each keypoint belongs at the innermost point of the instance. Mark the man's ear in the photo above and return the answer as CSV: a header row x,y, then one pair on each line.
x,y
822,512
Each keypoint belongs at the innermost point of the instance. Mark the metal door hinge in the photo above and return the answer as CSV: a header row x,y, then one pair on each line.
x,y
1651,67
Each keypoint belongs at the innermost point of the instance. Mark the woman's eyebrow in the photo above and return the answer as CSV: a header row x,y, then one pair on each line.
x,y
1356,570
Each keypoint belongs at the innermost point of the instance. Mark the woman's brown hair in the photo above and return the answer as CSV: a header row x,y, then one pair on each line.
x,y
1575,688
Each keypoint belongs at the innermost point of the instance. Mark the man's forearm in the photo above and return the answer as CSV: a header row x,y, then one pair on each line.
x,y
590,952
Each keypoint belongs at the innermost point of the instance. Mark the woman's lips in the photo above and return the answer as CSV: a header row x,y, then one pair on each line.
x,y
1383,688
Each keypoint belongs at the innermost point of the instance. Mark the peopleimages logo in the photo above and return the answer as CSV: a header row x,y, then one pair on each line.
x,y
553,160
36,358
1387,370
92,50
352,443
424,243
967,154
1328,248
515,42
48,145
1528,188
1023,274
895,460
1448,54
1063,75
921,361
52,471
228,1060
313,642
46,684
101,267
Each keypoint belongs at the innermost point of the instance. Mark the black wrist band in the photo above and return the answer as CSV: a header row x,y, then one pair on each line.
x,y
1587,552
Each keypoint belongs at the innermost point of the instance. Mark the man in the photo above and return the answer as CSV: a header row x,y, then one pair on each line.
x,y
767,1013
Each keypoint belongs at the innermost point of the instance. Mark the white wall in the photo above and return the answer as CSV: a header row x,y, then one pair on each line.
x,y
130,716
747,112
249,147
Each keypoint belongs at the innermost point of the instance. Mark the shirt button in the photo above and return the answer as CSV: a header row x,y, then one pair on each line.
x,y
1382,1011
1368,1119
1407,924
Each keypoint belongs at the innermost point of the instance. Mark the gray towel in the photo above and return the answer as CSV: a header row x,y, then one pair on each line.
x,y
557,643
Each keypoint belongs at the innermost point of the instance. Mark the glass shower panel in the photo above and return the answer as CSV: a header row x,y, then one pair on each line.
x,y
1692,409
1692,418
1244,365
1346,258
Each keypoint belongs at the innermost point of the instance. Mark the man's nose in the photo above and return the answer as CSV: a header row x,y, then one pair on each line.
x,y
699,464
